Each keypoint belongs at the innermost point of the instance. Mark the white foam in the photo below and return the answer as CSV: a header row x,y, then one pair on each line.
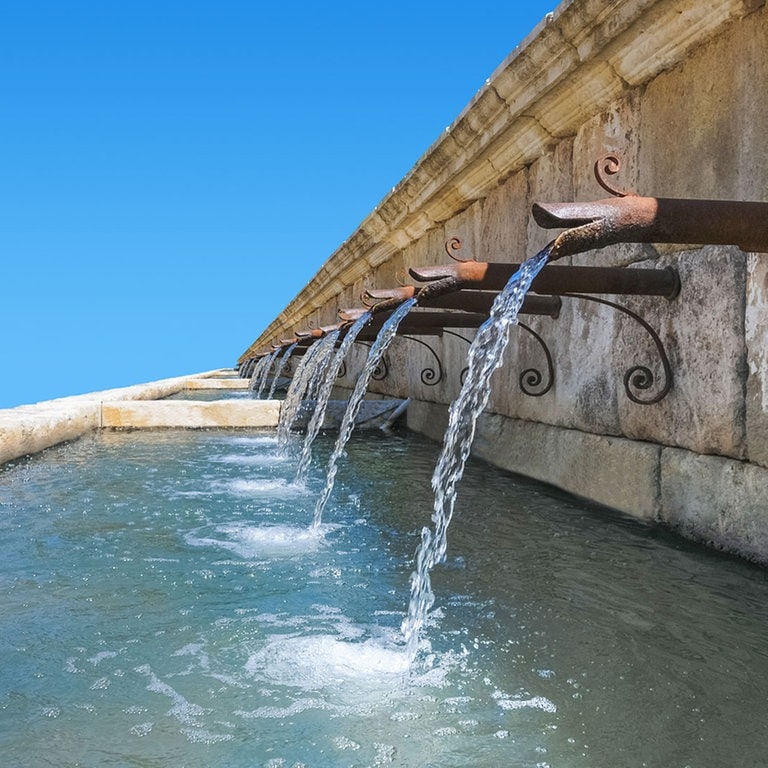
x,y
251,459
260,487
250,541
323,661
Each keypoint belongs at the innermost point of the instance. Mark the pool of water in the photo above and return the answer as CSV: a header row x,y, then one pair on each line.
x,y
165,604
214,394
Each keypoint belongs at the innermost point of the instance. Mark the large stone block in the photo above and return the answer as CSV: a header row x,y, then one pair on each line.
x,y
190,414
719,501
622,474
719,90
756,330
31,429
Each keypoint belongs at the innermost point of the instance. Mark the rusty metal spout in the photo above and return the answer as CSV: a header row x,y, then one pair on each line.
x,y
635,219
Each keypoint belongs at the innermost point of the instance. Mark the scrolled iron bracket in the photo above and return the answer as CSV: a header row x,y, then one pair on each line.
x,y
455,244
639,377
610,165
429,376
531,378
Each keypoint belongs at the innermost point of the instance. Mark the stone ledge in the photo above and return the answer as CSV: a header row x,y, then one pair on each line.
x,y
587,465
189,414
24,432
720,502
29,429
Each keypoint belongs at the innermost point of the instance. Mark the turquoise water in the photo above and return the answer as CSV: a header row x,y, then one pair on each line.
x,y
216,394
165,604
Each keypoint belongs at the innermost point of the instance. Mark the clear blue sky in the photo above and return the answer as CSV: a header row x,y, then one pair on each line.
x,y
173,173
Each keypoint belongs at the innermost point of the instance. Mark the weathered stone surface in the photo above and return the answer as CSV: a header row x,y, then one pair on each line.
x,y
224,384
29,429
505,214
756,330
716,89
718,501
623,474
619,473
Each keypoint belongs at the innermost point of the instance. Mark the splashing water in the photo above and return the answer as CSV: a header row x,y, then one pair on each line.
x,y
265,373
283,360
383,340
301,380
324,394
258,370
485,356
324,358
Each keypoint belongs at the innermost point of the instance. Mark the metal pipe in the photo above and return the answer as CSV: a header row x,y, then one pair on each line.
x,y
467,300
559,280
635,219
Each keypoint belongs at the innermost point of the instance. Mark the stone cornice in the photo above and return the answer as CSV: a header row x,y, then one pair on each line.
x,y
574,64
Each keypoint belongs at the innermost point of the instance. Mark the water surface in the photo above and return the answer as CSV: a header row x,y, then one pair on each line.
x,y
164,602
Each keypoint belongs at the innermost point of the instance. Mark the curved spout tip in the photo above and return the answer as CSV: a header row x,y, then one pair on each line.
x,y
561,215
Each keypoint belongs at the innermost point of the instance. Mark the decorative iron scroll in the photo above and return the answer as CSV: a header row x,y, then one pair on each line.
x,y
429,376
381,371
639,377
531,378
465,369
610,165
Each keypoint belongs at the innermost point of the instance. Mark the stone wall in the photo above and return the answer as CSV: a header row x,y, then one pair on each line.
x,y
677,89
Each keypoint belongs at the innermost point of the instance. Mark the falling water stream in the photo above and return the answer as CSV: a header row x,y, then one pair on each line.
x,y
281,365
383,340
300,383
265,372
256,374
324,394
485,355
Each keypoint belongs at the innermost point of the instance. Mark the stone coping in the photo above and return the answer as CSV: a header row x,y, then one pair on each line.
x,y
28,429
189,414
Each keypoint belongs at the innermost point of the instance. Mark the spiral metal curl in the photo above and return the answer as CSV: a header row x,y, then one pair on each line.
x,y
452,245
609,165
531,378
640,377
429,376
